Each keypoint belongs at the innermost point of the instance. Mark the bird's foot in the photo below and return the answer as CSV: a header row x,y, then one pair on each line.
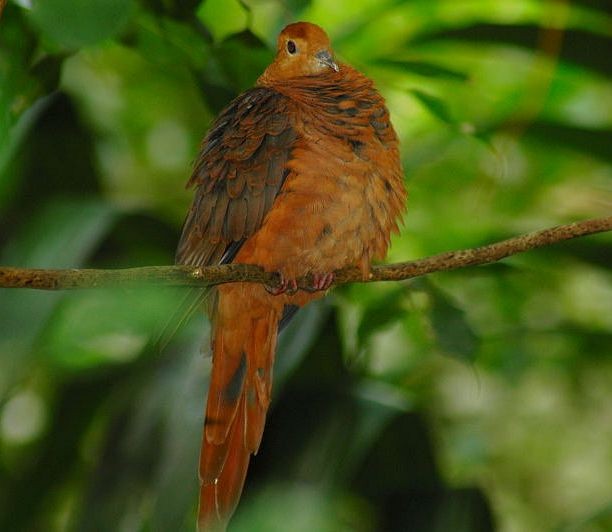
x,y
286,286
321,281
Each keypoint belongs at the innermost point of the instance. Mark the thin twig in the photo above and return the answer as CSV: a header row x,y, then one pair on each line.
x,y
211,275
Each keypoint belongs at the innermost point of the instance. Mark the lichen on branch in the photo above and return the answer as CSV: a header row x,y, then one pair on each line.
x,y
43,279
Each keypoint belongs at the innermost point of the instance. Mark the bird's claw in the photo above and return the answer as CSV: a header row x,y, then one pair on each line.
x,y
286,286
321,281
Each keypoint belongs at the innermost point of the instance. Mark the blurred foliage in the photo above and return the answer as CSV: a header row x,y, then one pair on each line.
x,y
475,400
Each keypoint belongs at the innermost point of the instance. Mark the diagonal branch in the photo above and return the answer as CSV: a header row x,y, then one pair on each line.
x,y
211,275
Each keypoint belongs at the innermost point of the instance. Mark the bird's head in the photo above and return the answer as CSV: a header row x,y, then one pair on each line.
x,y
303,49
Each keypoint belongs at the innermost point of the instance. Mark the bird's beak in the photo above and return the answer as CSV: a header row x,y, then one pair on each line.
x,y
325,58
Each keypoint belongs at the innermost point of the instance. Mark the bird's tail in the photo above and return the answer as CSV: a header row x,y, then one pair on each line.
x,y
244,343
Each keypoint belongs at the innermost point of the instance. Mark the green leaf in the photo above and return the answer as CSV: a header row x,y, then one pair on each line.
x,y
454,334
223,17
297,5
170,43
381,312
254,58
73,25
21,87
93,328
306,504
579,46
424,68
599,519
11,137
62,235
596,142
434,105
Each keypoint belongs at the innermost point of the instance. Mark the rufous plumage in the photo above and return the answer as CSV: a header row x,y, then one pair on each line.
x,y
300,175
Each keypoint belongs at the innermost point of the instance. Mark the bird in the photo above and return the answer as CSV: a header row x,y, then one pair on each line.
x,y
300,175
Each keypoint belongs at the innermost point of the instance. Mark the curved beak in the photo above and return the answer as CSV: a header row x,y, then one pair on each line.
x,y
326,58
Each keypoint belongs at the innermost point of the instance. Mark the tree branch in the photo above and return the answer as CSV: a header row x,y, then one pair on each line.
x,y
211,275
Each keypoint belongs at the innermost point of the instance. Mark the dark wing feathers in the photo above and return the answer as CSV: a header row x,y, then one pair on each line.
x,y
239,172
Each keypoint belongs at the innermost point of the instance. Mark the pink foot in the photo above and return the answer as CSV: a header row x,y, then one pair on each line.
x,y
322,281
286,286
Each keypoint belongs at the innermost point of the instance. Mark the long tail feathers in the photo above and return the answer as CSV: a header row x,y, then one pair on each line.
x,y
238,399
219,497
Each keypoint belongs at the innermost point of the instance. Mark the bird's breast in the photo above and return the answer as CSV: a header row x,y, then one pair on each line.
x,y
338,206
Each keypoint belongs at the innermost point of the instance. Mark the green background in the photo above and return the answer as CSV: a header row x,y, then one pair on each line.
x,y
474,400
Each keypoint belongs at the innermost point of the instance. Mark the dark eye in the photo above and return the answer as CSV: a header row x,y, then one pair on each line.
x,y
291,47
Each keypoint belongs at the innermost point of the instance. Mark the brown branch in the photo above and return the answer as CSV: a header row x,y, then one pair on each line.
x,y
211,275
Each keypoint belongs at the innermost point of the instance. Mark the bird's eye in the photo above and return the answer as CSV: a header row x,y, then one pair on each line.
x,y
291,47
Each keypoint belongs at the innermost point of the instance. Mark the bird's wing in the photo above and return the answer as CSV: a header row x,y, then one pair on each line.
x,y
240,170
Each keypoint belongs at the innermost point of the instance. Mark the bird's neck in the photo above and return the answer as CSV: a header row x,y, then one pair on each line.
x,y
325,92
346,79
